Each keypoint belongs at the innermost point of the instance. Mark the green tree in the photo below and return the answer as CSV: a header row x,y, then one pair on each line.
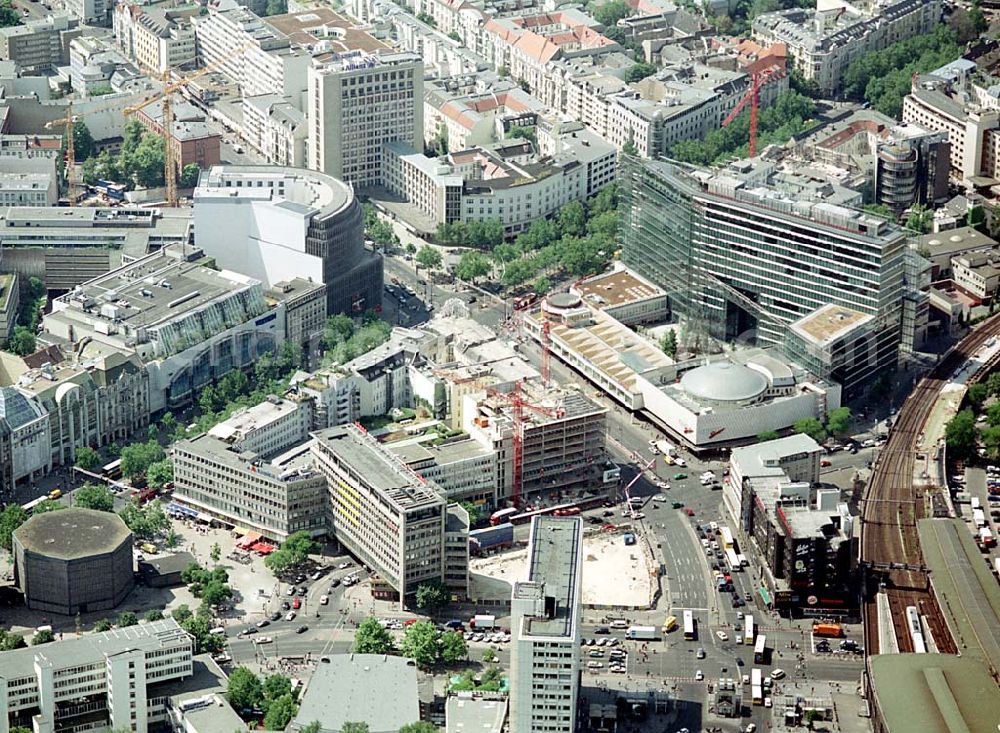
x,y
189,176
21,342
138,457
542,285
421,644
10,641
94,496
160,473
960,435
421,726
919,219
489,655
215,593
42,637
103,624
215,553
87,458
12,517
812,427
281,711
432,596
839,421
572,219
313,727
244,691
8,14
276,686
145,521
453,647
354,728
881,210
429,257
639,71
668,344
993,414
977,395
472,266
372,638
524,133
608,14
153,614
293,551
767,435
126,618
49,505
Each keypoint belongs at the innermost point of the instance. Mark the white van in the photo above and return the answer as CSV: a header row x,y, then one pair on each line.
x,y
619,624
218,630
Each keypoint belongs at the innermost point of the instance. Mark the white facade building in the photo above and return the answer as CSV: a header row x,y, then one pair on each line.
x,y
106,674
545,630
357,102
824,42
276,128
28,182
274,425
91,12
794,459
156,39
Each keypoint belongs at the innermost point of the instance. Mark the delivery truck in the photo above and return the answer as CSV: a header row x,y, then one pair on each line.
x,y
483,622
834,631
642,632
491,538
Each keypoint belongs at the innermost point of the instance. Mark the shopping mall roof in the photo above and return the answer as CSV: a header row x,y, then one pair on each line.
x,y
966,590
72,533
934,693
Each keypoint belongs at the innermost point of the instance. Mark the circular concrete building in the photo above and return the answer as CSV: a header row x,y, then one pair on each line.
x,y
73,561
725,383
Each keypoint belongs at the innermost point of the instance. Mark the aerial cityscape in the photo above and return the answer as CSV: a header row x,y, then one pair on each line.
x,y
499,366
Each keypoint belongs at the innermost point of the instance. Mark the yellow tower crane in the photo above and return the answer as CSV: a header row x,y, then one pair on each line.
x,y
169,87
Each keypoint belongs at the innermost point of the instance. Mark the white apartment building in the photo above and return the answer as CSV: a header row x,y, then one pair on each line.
x,y
793,459
545,629
958,101
28,182
157,39
372,384
477,118
358,102
272,494
389,517
506,181
274,425
824,42
91,12
270,65
104,679
276,128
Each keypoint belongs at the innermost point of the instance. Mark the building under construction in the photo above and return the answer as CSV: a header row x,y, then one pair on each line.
x,y
562,442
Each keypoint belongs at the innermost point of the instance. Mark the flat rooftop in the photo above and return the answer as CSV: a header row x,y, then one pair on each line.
x,y
617,288
465,713
825,325
762,459
294,189
89,648
934,693
72,533
344,687
311,26
250,419
554,559
966,590
292,465
152,291
377,467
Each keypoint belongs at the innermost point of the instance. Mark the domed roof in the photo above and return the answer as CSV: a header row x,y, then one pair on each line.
x,y
17,408
724,381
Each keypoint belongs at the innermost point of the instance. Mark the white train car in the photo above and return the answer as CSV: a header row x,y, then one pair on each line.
x,y
916,630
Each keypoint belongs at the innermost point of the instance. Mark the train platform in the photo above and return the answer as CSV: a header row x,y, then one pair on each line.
x,y
887,642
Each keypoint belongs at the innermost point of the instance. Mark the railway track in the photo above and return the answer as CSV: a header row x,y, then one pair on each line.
x,y
895,500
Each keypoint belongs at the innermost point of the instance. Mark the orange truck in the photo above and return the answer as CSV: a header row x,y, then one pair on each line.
x,y
834,631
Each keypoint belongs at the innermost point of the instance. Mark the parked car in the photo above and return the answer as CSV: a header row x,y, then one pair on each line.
x,y
302,630
297,604
291,616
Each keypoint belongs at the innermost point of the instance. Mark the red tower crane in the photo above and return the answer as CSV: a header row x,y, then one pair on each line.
x,y
518,404
546,346
762,72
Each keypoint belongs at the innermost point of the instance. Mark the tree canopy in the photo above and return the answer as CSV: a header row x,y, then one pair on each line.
x,y
428,257
372,638
94,496
812,427
87,458
138,457
839,420
432,596
293,551
960,435
12,517
244,691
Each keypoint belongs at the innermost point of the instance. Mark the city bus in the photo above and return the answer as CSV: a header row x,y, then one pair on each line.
x,y
760,650
726,538
30,506
113,470
689,633
757,686
733,561
498,517
748,629
669,624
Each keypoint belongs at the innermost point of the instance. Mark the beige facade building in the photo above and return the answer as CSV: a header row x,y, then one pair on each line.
x,y
156,39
